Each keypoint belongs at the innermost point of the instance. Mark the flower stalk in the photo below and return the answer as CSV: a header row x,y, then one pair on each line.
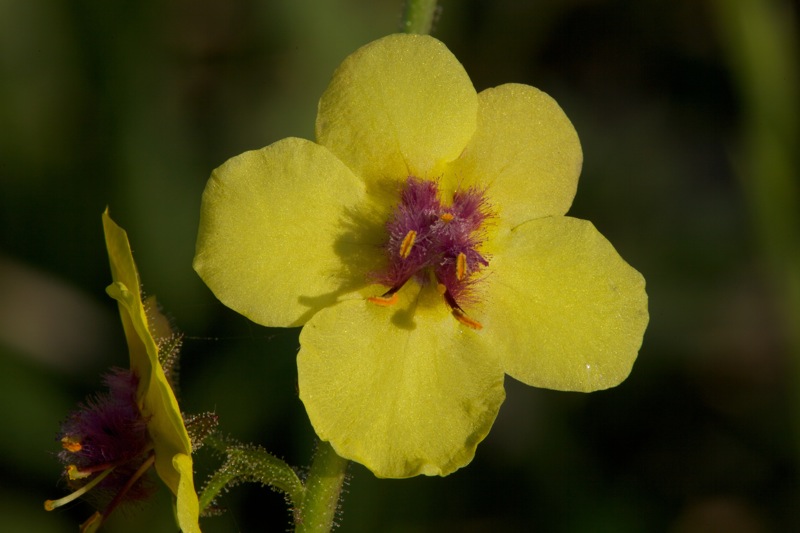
x,y
761,43
314,503
418,16
323,488
247,463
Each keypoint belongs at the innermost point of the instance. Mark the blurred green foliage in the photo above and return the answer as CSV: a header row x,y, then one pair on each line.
x,y
132,104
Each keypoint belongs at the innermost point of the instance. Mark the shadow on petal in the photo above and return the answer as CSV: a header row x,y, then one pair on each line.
x,y
360,248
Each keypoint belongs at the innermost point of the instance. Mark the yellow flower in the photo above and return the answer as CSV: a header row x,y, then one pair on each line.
x,y
157,402
422,243
114,438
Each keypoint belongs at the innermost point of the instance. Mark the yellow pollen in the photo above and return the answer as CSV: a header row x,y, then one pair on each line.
x,y
467,321
441,288
446,217
384,301
461,266
71,445
408,242
73,473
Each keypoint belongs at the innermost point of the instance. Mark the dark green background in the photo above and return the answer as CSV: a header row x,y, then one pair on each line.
x,y
132,104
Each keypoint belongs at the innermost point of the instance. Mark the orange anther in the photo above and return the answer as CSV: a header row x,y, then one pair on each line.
x,y
384,301
464,319
71,445
461,266
446,217
73,473
408,242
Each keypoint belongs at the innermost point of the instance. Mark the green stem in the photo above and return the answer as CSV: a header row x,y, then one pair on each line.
x,y
323,486
418,16
760,38
245,463
212,489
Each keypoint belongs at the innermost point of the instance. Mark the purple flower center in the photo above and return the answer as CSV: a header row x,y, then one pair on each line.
x,y
108,429
429,240
106,448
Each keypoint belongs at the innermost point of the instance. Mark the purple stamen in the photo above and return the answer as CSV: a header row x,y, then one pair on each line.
x,y
441,234
107,436
109,427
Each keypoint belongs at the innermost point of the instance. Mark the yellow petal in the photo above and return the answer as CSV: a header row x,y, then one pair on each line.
x,y
187,508
525,150
284,232
564,311
402,105
126,291
156,398
403,390
166,428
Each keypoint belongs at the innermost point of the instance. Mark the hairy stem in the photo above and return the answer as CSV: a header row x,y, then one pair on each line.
x,y
418,16
323,487
247,463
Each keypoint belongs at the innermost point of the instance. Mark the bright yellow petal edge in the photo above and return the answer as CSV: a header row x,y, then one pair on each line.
x,y
157,400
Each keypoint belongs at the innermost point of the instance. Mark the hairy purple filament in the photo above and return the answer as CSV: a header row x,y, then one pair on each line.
x,y
107,436
442,233
109,427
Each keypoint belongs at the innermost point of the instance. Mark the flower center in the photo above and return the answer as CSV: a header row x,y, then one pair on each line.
x,y
106,445
432,241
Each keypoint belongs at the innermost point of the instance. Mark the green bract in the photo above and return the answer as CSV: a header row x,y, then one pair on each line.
x,y
293,234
